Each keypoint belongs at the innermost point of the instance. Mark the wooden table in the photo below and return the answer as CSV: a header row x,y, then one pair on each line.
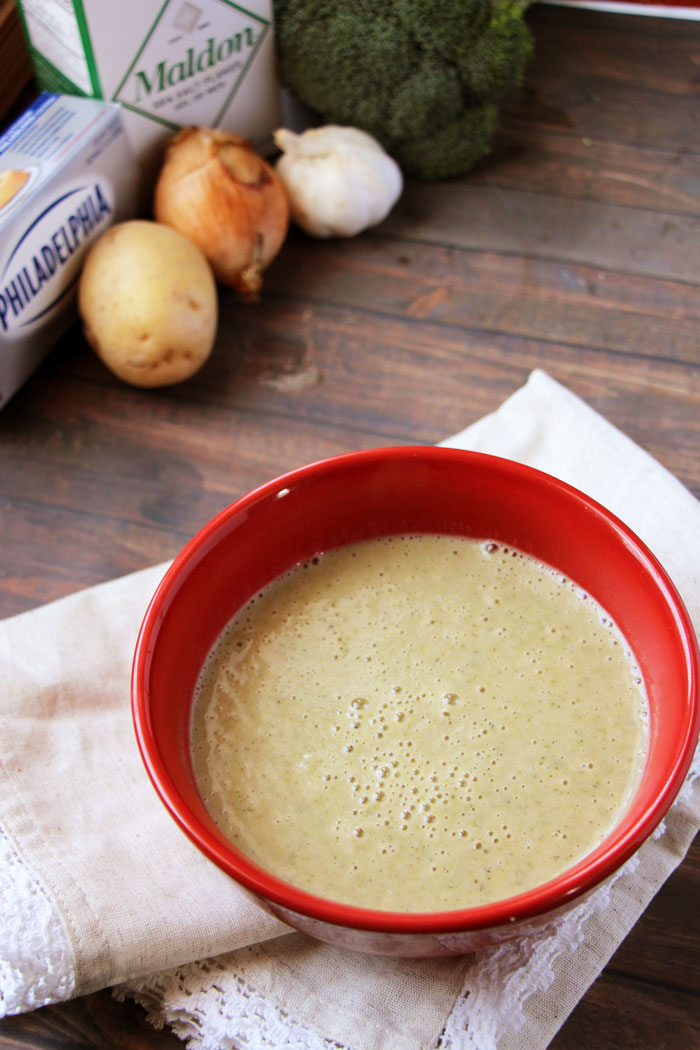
x,y
575,248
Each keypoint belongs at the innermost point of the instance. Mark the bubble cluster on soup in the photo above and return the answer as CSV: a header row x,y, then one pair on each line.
x,y
419,723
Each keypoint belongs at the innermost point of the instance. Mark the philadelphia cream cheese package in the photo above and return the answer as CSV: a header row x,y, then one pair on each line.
x,y
168,63
67,172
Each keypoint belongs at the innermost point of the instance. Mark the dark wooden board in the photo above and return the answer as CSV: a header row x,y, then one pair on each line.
x,y
574,248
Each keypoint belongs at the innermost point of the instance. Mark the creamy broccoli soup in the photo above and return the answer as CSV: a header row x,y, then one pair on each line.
x,y
419,723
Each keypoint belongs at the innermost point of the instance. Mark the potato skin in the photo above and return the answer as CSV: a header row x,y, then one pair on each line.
x,y
148,301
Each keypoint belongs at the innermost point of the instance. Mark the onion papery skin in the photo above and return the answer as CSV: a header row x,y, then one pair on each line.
x,y
215,189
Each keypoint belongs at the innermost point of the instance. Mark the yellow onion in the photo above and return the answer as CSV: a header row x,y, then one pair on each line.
x,y
215,189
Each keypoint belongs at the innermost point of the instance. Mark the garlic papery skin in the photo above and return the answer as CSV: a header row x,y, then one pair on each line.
x,y
339,180
215,189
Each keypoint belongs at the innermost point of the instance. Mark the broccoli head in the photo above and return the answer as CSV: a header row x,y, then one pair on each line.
x,y
425,77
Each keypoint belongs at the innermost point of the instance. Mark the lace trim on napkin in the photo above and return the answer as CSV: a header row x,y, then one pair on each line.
x,y
36,960
213,1008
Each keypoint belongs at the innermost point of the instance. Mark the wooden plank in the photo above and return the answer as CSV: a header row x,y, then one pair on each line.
x,y
15,67
539,298
529,224
661,949
531,152
94,1022
631,1015
646,63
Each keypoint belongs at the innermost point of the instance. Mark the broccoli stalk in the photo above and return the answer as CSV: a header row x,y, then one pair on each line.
x,y
425,77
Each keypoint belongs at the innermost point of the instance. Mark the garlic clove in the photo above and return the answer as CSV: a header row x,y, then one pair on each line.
x,y
339,179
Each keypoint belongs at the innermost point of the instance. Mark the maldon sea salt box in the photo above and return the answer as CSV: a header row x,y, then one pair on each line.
x,y
168,63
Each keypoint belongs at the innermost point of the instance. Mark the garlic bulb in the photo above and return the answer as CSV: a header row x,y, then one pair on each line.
x,y
339,180
215,189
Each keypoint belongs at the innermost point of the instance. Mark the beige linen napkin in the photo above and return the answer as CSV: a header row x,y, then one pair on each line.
x,y
98,887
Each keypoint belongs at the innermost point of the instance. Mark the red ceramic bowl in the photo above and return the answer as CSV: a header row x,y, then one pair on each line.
x,y
406,490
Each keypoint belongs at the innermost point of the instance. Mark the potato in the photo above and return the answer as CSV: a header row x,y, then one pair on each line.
x,y
148,301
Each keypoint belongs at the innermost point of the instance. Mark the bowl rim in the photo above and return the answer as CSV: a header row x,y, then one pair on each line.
x,y
580,879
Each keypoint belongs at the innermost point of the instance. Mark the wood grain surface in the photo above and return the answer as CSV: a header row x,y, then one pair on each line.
x,y
15,67
574,248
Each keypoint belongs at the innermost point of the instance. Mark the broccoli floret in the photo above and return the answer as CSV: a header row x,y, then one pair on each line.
x,y
453,148
423,76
